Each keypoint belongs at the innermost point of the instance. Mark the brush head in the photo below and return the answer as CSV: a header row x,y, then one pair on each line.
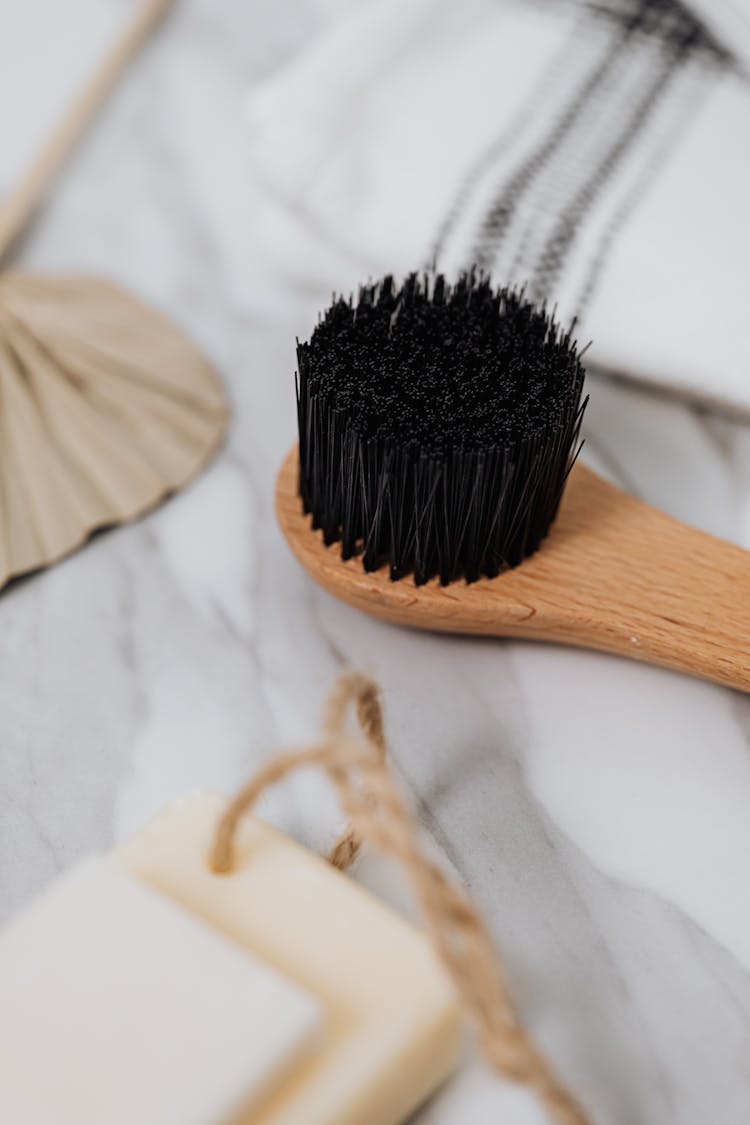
x,y
437,425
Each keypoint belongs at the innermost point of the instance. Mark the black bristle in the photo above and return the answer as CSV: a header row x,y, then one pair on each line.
x,y
437,425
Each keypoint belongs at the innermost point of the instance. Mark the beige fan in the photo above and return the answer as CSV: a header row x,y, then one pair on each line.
x,y
105,407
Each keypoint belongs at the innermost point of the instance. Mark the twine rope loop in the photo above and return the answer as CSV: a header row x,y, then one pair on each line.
x,y
375,811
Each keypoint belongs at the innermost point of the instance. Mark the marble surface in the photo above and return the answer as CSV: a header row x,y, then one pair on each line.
x,y
598,810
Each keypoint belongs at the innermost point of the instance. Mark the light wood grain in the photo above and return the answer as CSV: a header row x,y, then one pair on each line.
x,y
614,574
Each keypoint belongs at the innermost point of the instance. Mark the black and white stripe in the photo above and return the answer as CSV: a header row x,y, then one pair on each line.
x,y
542,205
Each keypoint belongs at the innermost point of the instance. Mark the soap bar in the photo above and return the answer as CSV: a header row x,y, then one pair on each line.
x,y
393,1023
119,1006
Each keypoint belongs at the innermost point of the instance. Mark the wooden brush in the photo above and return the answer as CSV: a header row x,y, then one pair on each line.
x,y
438,430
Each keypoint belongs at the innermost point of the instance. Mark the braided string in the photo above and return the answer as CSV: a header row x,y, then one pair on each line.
x,y
375,811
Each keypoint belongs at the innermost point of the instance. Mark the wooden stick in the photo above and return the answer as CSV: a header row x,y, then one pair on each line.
x,y
17,208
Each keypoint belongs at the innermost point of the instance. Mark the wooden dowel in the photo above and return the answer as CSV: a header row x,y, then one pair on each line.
x,y
17,208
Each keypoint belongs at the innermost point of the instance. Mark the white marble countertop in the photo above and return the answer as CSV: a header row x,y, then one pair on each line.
x,y
598,810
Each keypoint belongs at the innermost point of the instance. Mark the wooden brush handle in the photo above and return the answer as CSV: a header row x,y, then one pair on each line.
x,y
17,207
614,574
622,577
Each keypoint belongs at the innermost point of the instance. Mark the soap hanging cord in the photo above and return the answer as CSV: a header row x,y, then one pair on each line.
x,y
376,813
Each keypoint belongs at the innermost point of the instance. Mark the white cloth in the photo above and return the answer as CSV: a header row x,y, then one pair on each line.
x,y
599,153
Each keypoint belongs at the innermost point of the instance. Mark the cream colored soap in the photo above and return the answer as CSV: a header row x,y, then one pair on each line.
x,y
393,1026
119,1007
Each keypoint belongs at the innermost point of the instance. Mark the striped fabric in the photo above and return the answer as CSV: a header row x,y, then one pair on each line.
x,y
596,152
